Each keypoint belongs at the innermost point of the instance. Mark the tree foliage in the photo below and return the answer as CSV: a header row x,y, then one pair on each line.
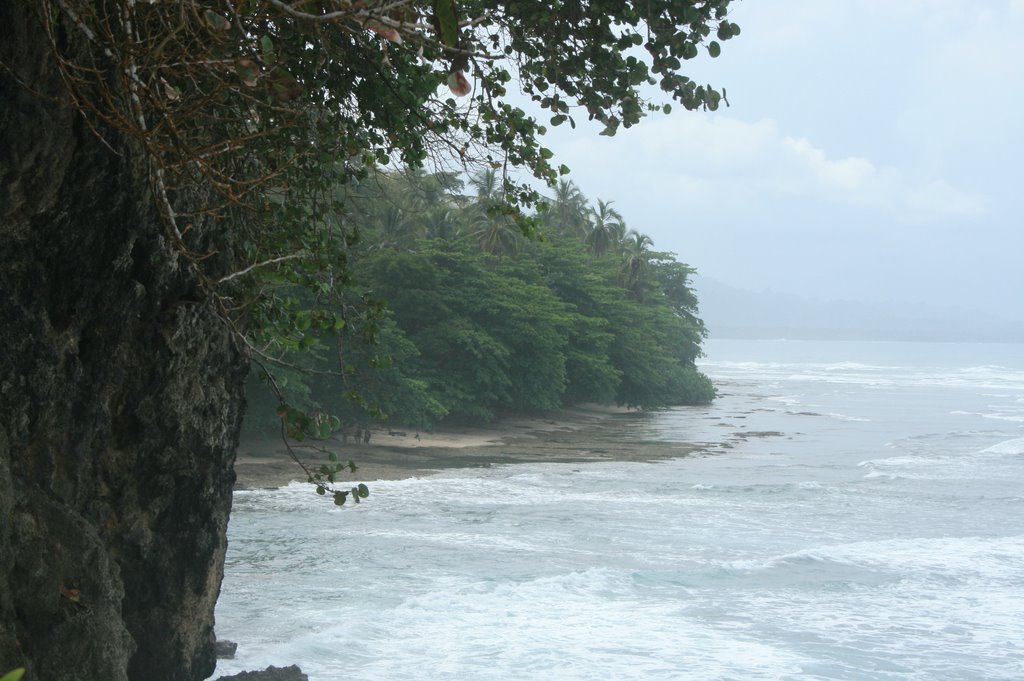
x,y
275,103
253,118
468,334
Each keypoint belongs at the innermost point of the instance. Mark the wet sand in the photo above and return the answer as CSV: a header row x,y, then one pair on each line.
x,y
589,433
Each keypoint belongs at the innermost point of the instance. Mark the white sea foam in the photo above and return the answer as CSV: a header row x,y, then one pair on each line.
x,y
846,417
842,379
1017,418
999,559
987,377
788,400
882,474
566,626
1014,446
809,484
921,467
900,462
857,366
996,416
776,559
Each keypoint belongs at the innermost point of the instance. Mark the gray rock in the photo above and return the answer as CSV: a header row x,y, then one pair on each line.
x,y
292,673
225,649
120,396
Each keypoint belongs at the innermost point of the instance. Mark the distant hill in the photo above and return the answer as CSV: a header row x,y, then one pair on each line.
x,y
737,313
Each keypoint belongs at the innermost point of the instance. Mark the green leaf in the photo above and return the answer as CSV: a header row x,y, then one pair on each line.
x,y
363,491
714,49
332,456
267,50
283,86
13,675
339,498
447,22
248,71
218,23
321,490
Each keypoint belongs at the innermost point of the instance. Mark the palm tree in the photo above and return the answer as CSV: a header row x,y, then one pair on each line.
x,y
442,222
568,214
635,263
493,230
426,191
488,188
606,228
496,234
394,227
430,196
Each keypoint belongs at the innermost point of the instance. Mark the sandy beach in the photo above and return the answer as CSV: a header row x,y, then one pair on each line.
x,y
585,433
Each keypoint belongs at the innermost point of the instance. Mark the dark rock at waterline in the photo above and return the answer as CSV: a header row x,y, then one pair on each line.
x,y
292,673
225,649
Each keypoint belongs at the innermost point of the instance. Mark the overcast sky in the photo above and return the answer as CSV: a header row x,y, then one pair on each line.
x,y
872,152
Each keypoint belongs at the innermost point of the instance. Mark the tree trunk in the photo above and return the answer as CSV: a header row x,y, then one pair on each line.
x,y
120,401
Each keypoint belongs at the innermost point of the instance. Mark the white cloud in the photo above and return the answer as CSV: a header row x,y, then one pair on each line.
x,y
847,175
724,160
864,136
938,196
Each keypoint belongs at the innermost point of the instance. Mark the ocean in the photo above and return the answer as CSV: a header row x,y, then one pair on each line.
x,y
856,511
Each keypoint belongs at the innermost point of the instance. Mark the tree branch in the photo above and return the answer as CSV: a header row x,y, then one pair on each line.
x,y
272,261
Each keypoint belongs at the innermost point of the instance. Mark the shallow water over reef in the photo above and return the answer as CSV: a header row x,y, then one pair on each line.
x,y
856,513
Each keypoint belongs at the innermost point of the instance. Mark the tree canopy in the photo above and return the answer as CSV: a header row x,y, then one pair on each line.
x,y
275,103
470,332
253,117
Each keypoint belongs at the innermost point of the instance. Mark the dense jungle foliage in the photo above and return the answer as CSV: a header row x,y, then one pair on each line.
x,y
262,127
480,321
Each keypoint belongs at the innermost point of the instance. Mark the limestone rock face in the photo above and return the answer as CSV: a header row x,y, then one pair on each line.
x,y
120,402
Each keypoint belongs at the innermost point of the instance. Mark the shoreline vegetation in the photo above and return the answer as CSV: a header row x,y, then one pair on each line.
x,y
447,314
583,433
448,322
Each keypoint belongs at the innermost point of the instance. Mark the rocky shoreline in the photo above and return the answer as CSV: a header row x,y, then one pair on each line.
x,y
589,433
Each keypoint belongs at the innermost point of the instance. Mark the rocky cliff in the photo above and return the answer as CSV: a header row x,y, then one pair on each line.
x,y
120,400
